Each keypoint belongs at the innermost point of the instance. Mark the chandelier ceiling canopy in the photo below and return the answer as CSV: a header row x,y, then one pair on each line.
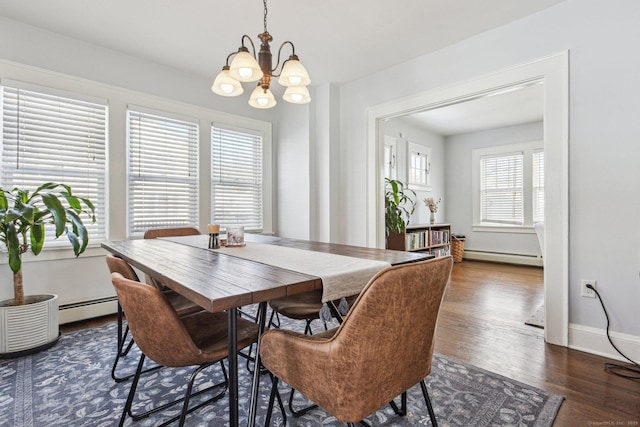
x,y
246,68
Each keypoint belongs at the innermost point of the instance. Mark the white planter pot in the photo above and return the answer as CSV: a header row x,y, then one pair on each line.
x,y
30,327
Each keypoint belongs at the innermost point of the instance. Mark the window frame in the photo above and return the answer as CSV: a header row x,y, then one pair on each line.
x,y
527,149
192,153
264,152
100,230
424,152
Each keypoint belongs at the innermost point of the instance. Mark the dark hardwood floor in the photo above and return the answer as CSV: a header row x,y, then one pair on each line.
x,y
482,323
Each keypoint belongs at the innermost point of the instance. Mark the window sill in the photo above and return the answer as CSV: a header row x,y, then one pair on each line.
x,y
56,253
519,229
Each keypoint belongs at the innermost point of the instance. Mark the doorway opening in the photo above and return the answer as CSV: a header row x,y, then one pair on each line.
x,y
553,73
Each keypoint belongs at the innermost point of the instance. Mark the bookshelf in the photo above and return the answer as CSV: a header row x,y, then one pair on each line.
x,y
431,238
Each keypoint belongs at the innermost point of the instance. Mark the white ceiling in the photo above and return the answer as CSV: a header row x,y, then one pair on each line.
x,y
337,40
508,107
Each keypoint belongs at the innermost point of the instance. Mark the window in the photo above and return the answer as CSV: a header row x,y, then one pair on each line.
x,y
501,189
55,136
508,185
390,158
419,167
236,178
538,186
162,171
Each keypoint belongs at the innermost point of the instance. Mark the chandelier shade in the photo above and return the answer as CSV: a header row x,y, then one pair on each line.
x,y
225,85
297,95
294,74
246,66
262,98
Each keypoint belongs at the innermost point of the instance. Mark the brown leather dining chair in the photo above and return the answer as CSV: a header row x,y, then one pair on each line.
x,y
170,340
383,347
181,304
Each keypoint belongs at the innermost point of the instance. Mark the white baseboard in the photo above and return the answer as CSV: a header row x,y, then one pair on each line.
x,y
87,309
501,257
593,340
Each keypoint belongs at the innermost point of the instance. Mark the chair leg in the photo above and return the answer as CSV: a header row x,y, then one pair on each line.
x,y
132,391
432,414
272,396
188,395
299,412
402,411
122,338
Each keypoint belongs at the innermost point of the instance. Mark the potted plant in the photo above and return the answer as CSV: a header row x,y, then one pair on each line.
x,y
23,217
399,205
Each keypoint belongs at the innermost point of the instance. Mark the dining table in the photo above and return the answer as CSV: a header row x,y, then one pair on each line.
x,y
224,281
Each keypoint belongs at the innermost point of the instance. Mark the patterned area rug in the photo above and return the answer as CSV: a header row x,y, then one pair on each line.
x,y
537,318
70,385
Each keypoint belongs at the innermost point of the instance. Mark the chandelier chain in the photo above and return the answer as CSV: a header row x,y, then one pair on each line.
x,y
265,15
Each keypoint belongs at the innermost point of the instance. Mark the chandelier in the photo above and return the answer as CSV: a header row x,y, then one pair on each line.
x,y
245,68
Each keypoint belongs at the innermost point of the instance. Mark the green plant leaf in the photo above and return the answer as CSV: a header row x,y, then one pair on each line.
x,y
13,247
57,212
37,238
79,233
4,204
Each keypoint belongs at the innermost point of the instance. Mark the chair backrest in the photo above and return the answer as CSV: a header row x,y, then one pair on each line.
x,y
118,265
385,344
153,233
154,323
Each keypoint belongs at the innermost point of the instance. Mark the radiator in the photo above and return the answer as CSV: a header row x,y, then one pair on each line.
x,y
82,310
535,260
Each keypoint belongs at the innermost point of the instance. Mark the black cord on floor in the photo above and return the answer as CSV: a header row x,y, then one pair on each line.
x,y
631,372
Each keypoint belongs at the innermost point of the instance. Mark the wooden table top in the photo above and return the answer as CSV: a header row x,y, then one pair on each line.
x,y
218,281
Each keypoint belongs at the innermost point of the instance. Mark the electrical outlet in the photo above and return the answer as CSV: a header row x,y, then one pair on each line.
x,y
586,292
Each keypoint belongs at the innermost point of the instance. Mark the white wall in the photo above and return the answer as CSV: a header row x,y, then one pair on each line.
x,y
292,134
405,132
604,179
459,196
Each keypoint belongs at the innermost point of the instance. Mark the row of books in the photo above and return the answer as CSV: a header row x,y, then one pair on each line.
x,y
422,239
441,251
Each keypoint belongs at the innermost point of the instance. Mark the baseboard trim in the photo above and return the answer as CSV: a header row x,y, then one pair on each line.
x,y
502,257
83,310
594,341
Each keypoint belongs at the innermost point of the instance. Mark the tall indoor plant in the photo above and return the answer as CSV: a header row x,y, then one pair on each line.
x,y
23,217
399,205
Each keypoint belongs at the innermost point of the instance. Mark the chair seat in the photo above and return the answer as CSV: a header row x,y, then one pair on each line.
x,y
302,306
181,304
209,333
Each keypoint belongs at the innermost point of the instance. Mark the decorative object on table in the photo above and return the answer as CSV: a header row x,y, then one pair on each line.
x,y
214,236
399,205
245,68
30,324
466,394
235,235
433,208
457,247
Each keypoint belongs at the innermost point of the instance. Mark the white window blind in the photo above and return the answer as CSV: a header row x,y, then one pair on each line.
x,y
162,171
501,189
236,178
51,138
538,186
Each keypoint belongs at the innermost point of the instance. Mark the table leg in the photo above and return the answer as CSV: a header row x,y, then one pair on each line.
x,y
255,385
233,366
